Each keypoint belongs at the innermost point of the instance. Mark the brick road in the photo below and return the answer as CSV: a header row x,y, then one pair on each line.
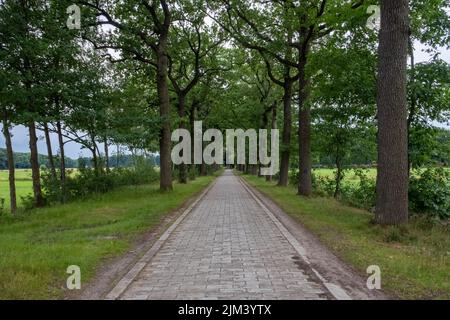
x,y
227,247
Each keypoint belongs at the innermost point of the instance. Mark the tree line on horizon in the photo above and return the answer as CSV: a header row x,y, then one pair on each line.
x,y
117,160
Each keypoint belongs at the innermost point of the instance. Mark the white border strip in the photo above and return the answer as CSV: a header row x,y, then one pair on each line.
x,y
337,291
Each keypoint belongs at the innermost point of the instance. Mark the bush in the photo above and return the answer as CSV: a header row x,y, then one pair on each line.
x,y
429,193
293,177
361,194
89,181
28,201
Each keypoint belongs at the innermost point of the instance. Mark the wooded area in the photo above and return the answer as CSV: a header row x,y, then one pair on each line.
x,y
343,94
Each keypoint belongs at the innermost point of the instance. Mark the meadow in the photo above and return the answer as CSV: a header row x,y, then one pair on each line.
x,y
23,185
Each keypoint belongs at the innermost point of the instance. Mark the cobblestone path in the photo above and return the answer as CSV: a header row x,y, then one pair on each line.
x,y
227,247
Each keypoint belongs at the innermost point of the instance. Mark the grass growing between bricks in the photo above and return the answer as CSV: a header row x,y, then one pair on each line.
x,y
37,247
414,260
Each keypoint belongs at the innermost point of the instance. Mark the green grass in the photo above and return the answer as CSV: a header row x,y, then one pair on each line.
x,y
24,185
414,260
349,174
36,248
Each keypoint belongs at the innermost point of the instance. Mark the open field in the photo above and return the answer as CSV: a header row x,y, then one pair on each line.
x,y
23,185
414,260
37,247
349,174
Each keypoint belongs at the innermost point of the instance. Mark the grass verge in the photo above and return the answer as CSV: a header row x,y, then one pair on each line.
x,y
37,247
414,260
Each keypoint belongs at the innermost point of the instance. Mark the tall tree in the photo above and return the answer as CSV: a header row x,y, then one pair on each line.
x,y
429,25
191,57
310,21
142,35
10,159
25,47
392,177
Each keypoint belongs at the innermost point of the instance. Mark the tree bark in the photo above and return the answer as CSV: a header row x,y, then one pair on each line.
x,y
94,160
192,118
51,160
117,156
392,177
164,110
34,161
106,149
203,170
286,135
182,174
62,161
339,176
273,126
304,130
11,168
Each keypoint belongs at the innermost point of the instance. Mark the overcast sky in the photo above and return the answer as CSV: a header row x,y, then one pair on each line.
x,y
74,150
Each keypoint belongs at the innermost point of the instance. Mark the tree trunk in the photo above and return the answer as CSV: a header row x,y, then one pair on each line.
x,y
11,168
304,131
117,156
286,135
164,111
392,177
62,161
203,169
264,123
51,160
106,149
274,126
339,176
182,174
34,161
192,118
94,160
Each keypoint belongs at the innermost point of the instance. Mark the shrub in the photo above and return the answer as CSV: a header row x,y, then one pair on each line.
x,y
89,181
361,194
429,193
28,201
293,177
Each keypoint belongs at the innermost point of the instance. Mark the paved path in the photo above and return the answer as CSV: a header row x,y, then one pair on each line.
x,y
227,247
